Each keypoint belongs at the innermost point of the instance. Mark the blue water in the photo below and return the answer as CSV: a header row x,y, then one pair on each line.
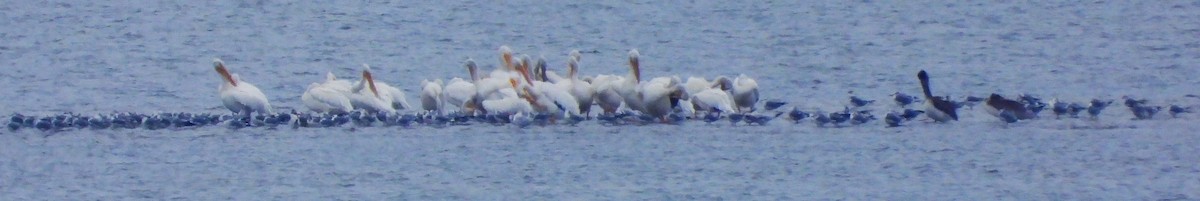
x,y
148,57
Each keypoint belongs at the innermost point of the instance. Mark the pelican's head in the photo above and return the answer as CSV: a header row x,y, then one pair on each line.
x,y
471,68
523,69
633,65
722,83
220,67
506,57
366,74
576,55
330,77
540,69
522,91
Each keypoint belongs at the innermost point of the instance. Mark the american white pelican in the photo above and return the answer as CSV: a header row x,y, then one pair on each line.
x,y
507,68
545,74
431,95
323,99
695,85
398,101
367,95
606,92
936,108
549,98
745,93
332,82
660,95
582,91
239,96
713,100
508,101
628,88
459,92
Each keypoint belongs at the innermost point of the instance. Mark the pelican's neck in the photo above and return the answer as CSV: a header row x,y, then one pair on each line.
x,y
225,75
572,67
370,83
473,70
722,83
506,59
635,70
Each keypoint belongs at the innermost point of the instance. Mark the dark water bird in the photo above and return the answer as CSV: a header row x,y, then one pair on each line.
x,y
996,104
1140,110
822,119
711,117
1032,103
734,118
773,104
327,121
62,121
937,108
80,122
304,120
14,122
840,117
892,119
576,119
100,122
761,119
45,123
1008,116
859,102
796,115
1074,108
903,100
1176,110
910,114
1097,106
408,119
1059,108
1145,112
521,120
14,125
339,120
861,117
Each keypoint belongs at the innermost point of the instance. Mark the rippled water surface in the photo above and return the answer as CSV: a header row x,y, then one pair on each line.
x,y
147,57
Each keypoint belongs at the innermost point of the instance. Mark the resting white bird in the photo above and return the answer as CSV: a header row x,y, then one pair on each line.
x,y
661,95
628,87
507,101
713,99
239,96
549,98
582,91
696,84
367,95
507,68
606,95
544,74
459,92
323,99
332,82
745,93
431,95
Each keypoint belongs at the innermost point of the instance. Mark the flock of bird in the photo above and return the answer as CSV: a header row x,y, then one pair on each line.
x,y
524,92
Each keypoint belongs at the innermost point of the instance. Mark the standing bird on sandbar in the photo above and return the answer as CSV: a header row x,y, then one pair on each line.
x,y
936,108
239,96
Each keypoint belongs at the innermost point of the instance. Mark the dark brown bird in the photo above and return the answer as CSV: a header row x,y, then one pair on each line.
x,y
937,108
997,104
